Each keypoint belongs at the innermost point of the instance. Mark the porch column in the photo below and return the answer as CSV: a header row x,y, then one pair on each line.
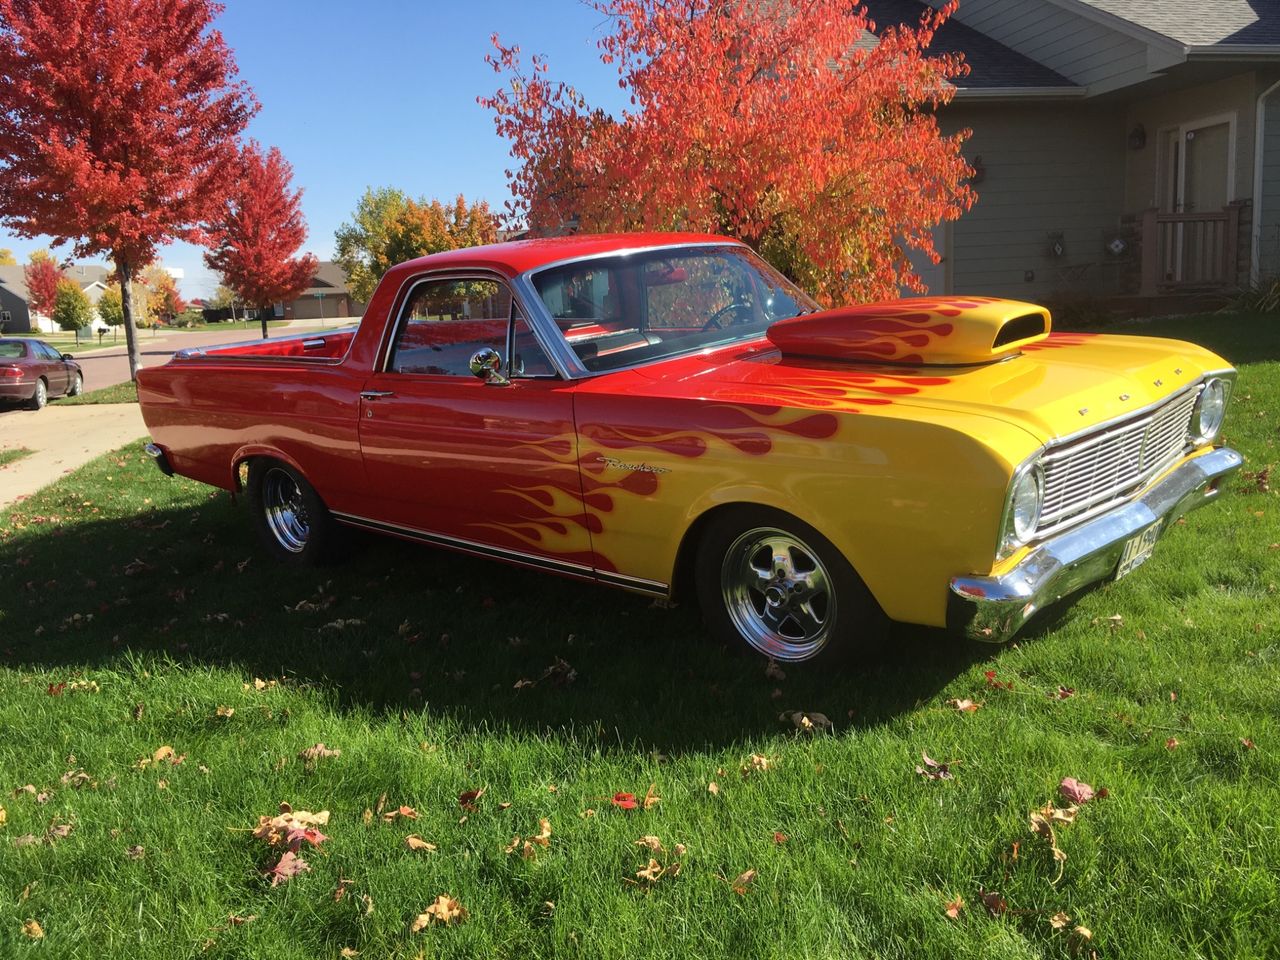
x,y
1149,286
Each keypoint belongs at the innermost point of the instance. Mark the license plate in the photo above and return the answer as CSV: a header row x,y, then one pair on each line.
x,y
1138,549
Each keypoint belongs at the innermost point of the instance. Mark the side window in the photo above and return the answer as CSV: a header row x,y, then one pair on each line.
x,y
444,322
47,352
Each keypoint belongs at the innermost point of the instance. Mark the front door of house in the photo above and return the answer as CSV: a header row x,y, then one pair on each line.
x,y
1197,181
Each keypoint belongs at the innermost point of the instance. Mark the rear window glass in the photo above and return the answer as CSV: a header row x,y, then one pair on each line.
x,y
12,349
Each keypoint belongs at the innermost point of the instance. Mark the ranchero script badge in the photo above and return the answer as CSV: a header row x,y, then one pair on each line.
x,y
633,467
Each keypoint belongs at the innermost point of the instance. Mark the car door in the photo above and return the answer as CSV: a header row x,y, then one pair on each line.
x,y
53,368
451,458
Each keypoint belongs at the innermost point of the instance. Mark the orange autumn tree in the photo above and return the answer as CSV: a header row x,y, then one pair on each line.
x,y
772,121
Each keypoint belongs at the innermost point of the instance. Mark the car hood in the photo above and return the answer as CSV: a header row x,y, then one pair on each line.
x,y
1059,386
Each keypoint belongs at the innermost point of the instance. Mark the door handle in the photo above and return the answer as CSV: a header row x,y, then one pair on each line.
x,y
375,394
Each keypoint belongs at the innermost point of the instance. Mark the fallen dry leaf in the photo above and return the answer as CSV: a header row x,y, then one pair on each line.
x,y
994,903
650,842
544,833
402,811
806,721
318,752
1059,920
346,953
3,816
651,799
774,672
290,866
467,800
444,910
1076,791
32,930
290,828
415,842
742,882
136,852
935,770
713,788
964,706
954,907
624,801
1172,743
756,763
650,873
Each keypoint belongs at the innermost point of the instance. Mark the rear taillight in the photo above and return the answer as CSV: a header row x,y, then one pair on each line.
x,y
14,372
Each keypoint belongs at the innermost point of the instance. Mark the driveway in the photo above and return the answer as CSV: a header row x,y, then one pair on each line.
x,y
63,439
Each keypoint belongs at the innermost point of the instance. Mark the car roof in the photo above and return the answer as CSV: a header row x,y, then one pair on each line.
x,y
518,256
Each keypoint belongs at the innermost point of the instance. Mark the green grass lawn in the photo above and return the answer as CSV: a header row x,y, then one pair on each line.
x,y
138,613
13,455
125,392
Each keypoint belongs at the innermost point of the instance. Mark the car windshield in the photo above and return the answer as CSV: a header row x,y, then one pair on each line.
x,y
12,349
620,310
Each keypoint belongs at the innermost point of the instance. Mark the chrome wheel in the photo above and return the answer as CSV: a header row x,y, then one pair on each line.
x,y
286,510
77,386
778,594
41,396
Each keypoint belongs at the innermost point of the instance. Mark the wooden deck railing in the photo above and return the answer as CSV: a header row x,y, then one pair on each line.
x,y
1189,251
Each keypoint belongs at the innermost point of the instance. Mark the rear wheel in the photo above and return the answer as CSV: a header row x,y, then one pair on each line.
x,y
40,397
773,584
292,520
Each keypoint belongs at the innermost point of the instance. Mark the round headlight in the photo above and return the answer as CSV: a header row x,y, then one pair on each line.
x,y
1024,505
1210,410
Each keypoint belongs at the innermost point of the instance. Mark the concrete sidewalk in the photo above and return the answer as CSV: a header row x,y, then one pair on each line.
x,y
62,438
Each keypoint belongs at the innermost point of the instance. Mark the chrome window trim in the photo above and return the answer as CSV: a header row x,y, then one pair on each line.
x,y
392,329
573,367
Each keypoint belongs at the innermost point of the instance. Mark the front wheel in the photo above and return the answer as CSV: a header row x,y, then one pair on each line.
x,y
292,520
77,386
776,585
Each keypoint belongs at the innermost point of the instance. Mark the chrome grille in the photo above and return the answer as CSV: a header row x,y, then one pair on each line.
x,y
1085,476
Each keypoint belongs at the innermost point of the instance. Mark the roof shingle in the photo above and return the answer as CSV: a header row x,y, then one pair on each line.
x,y
1201,23
992,65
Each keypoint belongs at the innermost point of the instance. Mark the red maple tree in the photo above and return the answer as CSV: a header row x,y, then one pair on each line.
x,y
42,277
258,232
118,120
773,121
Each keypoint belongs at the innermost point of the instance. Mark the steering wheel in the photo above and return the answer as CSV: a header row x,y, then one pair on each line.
x,y
713,323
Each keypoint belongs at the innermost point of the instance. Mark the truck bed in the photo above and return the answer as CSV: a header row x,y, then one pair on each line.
x,y
329,346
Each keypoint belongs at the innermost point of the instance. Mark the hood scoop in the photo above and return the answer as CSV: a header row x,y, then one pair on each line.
x,y
925,331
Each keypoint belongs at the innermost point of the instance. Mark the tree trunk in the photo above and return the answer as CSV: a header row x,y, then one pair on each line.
x,y
262,315
123,271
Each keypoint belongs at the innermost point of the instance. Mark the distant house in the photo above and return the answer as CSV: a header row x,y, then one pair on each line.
x,y
327,297
15,310
1122,147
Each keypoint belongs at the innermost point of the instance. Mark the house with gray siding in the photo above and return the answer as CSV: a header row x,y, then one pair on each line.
x,y
1121,147
16,315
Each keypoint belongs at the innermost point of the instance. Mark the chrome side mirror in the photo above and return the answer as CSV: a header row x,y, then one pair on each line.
x,y
486,363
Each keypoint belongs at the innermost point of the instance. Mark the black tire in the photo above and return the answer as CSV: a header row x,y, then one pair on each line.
x,y
770,583
39,396
291,519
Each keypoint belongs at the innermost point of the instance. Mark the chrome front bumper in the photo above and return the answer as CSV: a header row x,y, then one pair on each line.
x,y
995,608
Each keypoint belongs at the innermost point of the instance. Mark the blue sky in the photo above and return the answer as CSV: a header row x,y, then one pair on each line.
x,y
382,93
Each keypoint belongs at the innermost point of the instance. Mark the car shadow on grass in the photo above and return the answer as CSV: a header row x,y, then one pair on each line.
x,y
397,628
